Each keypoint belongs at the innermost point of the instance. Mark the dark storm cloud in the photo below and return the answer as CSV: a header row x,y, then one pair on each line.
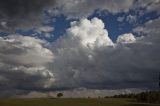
x,y
15,12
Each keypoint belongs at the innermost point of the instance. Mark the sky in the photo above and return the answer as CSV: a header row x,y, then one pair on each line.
x,y
79,47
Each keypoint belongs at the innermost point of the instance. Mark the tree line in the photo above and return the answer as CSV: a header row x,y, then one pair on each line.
x,y
148,97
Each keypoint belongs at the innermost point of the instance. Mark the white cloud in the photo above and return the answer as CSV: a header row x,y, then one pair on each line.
x,y
126,38
31,48
91,33
45,29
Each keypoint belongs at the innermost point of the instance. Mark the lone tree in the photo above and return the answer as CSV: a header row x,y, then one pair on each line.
x,y
59,95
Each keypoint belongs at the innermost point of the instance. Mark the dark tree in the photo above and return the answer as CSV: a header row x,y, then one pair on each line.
x,y
59,95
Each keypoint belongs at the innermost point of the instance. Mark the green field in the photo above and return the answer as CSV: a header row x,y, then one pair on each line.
x,y
71,102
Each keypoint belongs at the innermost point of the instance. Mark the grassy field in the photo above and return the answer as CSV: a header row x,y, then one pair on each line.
x,y
71,102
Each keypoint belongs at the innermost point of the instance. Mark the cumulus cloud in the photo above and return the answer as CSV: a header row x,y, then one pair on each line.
x,y
85,57
113,66
23,64
91,33
126,38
